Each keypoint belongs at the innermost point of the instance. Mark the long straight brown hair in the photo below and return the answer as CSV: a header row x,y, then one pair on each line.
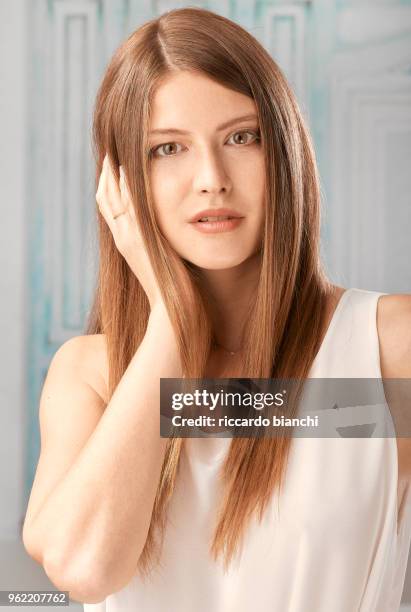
x,y
283,331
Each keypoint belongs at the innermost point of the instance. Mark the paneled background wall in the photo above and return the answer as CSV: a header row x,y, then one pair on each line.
x,y
349,63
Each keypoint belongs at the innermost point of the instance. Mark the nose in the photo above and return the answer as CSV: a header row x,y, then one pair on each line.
x,y
210,174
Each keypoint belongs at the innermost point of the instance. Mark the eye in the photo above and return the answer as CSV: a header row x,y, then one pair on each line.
x,y
154,152
255,134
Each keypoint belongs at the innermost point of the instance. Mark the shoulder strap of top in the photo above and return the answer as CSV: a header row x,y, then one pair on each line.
x,y
351,347
364,316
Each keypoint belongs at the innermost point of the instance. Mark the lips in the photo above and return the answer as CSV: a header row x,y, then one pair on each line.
x,y
217,227
211,218
214,213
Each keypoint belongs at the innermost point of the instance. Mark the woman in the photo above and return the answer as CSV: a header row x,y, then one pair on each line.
x,y
120,516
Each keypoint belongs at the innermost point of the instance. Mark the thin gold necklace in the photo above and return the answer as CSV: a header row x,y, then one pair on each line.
x,y
227,350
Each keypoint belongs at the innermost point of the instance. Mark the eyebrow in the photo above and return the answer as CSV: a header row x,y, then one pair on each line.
x,y
223,126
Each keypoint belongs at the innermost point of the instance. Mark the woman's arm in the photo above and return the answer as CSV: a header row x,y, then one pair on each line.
x,y
91,529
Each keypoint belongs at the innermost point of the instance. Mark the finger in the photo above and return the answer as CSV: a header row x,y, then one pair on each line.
x,y
125,195
114,195
122,222
123,186
101,182
117,228
102,195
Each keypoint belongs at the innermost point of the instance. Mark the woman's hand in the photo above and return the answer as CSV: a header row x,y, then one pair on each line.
x,y
115,205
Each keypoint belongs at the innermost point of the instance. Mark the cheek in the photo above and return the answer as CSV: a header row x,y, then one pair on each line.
x,y
254,185
166,217
248,176
254,178
167,193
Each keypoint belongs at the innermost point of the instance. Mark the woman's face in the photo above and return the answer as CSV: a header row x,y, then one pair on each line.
x,y
207,166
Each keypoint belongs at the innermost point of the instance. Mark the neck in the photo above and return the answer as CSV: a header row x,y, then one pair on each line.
x,y
231,294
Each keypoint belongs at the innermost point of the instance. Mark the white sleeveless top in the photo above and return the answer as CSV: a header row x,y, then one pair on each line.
x,y
336,546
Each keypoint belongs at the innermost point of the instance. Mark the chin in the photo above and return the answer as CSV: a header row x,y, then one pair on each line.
x,y
217,262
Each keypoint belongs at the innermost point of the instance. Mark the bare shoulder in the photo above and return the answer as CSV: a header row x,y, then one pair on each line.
x,y
88,355
71,404
394,333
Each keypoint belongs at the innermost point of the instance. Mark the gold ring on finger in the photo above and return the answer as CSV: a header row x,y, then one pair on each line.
x,y
118,214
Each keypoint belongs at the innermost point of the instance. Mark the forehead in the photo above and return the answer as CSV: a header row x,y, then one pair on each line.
x,y
192,101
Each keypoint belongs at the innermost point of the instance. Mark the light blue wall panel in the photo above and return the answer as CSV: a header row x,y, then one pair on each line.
x,y
349,65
